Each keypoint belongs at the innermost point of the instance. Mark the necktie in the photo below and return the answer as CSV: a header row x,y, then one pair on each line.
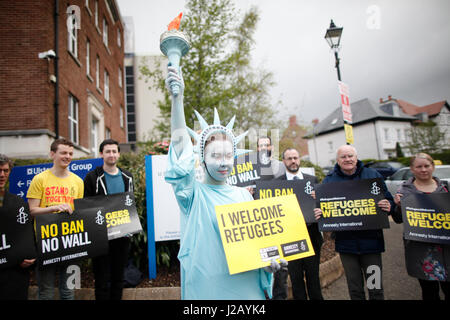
x,y
295,178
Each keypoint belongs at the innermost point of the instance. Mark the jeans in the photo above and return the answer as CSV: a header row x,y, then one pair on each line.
x,y
46,282
360,268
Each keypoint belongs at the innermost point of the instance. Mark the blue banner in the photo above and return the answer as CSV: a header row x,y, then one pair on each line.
x,y
20,177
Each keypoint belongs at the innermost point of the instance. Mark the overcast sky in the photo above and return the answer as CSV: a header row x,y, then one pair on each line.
x,y
388,47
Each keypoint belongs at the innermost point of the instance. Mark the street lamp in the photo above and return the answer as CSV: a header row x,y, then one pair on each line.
x,y
333,37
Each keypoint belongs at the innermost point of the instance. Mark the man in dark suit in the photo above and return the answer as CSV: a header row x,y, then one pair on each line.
x,y
306,269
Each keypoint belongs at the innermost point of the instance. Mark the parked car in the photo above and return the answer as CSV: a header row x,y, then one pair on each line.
x,y
393,182
385,168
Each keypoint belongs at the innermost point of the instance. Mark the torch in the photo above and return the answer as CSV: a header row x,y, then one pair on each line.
x,y
174,45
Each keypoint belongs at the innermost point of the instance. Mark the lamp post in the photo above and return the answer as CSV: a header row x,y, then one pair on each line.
x,y
333,37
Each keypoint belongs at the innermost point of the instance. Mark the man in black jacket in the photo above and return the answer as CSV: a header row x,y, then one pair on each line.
x,y
306,269
105,180
14,280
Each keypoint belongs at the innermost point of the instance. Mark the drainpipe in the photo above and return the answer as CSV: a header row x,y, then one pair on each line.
x,y
56,105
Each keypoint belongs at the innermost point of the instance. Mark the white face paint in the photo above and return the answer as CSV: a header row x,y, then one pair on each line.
x,y
219,161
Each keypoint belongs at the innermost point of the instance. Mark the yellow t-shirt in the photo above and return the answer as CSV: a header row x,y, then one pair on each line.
x,y
52,190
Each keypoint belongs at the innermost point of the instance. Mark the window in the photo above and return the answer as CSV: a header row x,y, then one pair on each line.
x,y
72,36
88,56
386,134
94,136
119,38
97,72
73,119
105,32
399,134
96,13
107,133
121,117
106,85
120,77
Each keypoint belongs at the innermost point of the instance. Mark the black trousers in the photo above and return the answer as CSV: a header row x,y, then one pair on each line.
x,y
301,270
109,270
14,283
430,289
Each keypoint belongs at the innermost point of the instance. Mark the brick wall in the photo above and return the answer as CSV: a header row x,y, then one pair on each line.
x,y
27,99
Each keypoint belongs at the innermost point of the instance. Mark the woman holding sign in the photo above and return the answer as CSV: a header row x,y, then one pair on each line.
x,y
204,269
432,271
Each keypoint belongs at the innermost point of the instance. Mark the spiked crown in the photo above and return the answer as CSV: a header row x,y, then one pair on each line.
x,y
208,130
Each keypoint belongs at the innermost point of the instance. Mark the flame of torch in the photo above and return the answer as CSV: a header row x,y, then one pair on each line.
x,y
174,45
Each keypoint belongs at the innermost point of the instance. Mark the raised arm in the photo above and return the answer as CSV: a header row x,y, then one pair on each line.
x,y
180,138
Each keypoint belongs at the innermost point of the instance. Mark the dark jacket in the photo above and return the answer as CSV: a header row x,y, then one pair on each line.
x,y
313,228
95,182
359,241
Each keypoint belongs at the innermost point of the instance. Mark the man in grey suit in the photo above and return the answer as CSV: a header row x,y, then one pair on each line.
x,y
306,269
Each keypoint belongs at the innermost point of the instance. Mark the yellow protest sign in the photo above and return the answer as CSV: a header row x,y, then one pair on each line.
x,y
255,232
348,133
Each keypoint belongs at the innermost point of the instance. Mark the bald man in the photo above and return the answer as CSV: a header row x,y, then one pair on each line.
x,y
360,250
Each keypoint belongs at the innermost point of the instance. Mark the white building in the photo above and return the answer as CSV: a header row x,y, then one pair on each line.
x,y
376,129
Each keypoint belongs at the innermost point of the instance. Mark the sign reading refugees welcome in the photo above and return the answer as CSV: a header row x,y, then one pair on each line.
x,y
120,213
301,188
426,217
64,237
16,234
351,205
255,232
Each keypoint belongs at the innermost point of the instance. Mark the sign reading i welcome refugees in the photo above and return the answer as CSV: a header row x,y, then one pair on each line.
x,y
426,217
255,232
351,205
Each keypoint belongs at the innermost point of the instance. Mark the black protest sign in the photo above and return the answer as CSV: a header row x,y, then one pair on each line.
x,y
426,217
301,188
16,232
250,168
120,213
64,237
351,205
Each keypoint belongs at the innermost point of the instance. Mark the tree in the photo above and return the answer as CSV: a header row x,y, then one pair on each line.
x,y
217,71
426,137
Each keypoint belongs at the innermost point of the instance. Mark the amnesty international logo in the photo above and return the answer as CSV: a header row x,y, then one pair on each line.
x,y
22,217
375,189
99,219
128,201
308,187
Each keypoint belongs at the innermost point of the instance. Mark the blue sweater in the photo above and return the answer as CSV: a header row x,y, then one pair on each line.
x,y
361,241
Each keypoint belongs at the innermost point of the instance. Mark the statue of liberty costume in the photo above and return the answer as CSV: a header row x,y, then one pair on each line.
x,y
204,269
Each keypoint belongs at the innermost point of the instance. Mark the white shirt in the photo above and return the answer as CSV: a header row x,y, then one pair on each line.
x,y
290,176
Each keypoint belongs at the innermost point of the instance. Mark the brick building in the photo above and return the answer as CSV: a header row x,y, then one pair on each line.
x,y
76,91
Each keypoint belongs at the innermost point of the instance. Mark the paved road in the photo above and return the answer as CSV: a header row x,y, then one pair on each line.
x,y
398,285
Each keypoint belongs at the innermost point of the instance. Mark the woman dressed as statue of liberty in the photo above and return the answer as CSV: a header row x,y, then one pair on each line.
x,y
204,269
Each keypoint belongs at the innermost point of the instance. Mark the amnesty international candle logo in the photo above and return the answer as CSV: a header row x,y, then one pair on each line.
x,y
257,231
351,205
426,217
